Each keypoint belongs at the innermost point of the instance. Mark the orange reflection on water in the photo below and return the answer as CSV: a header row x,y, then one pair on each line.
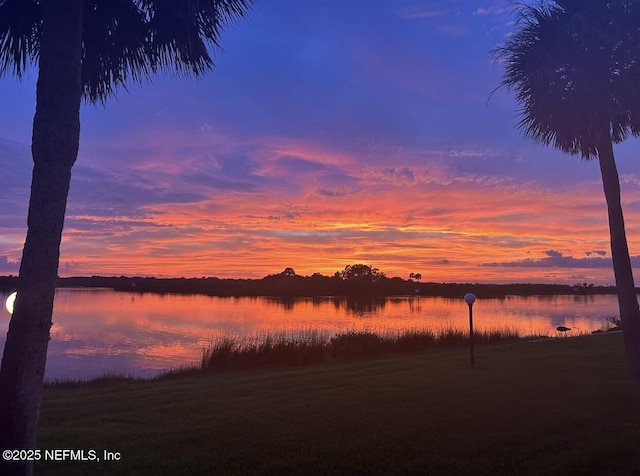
x,y
100,330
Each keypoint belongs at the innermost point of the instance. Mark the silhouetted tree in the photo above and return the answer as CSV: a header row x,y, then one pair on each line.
x,y
83,49
575,68
288,272
362,273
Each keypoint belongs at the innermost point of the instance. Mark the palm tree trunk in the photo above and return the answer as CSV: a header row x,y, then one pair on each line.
x,y
56,135
625,288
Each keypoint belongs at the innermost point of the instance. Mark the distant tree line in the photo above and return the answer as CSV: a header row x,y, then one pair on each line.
x,y
353,280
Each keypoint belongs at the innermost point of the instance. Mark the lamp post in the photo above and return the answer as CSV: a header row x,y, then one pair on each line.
x,y
470,298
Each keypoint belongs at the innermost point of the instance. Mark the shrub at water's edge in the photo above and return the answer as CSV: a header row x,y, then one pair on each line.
x,y
227,353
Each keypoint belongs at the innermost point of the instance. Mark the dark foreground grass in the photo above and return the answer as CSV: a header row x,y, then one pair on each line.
x,y
551,407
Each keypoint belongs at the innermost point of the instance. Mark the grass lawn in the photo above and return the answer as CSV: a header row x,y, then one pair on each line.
x,y
558,406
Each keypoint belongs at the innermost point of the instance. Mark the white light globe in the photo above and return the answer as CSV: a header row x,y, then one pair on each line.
x,y
470,298
9,302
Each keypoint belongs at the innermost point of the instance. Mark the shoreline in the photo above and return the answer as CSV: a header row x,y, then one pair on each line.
x,y
288,287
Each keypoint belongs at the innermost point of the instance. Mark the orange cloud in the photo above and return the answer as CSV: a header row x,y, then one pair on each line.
x,y
317,209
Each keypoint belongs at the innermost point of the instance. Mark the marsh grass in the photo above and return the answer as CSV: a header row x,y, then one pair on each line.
x,y
308,347
227,352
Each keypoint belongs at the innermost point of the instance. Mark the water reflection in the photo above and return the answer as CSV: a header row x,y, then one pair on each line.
x,y
99,330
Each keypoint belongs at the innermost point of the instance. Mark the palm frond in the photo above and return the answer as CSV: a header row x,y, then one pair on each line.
x,y
133,39
574,68
19,35
125,40
178,37
115,34
181,30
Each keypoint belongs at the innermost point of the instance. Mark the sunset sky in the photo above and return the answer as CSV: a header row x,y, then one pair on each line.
x,y
330,132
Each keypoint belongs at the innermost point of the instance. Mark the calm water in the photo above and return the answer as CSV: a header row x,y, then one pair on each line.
x,y
98,331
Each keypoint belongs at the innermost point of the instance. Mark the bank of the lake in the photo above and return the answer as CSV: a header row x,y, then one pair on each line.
x,y
288,285
558,406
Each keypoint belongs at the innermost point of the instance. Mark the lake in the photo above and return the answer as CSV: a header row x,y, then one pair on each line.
x,y
98,331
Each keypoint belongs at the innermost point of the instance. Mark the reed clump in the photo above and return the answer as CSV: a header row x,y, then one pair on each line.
x,y
268,350
304,348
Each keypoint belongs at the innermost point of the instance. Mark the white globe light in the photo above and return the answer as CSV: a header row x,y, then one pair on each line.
x,y
9,302
470,298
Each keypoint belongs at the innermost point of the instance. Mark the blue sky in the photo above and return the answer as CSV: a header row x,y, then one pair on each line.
x,y
329,133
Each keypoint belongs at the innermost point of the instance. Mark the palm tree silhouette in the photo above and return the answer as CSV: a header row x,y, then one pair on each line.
x,y
575,70
83,49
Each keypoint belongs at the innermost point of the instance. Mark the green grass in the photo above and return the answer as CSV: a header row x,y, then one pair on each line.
x,y
555,406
